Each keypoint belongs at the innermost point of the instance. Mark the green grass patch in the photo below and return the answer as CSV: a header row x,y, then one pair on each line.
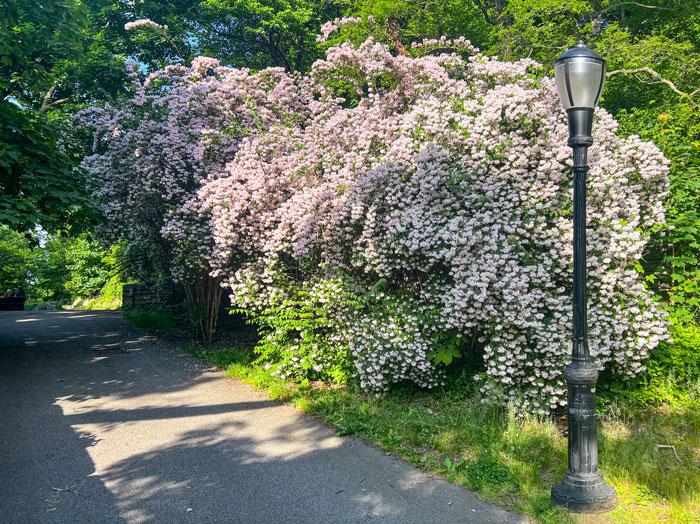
x,y
96,303
29,305
506,459
150,319
109,298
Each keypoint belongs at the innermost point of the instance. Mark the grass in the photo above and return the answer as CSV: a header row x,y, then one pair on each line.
x,y
29,305
96,303
150,319
504,458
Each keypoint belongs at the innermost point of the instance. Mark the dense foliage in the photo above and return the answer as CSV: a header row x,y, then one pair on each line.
x,y
16,255
69,268
448,181
58,267
48,64
151,154
279,33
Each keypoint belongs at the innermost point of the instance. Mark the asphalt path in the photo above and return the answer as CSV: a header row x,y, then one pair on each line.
x,y
102,423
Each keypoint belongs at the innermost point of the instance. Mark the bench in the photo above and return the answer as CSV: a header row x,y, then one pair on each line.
x,y
12,304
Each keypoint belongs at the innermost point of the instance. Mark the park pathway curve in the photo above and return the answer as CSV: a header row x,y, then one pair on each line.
x,y
101,423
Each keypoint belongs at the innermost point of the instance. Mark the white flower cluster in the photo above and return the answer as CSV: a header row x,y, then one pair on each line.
x,y
144,22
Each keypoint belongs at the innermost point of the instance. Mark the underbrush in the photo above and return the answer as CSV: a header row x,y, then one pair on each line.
x,y
110,296
651,456
29,304
672,376
150,319
42,306
96,303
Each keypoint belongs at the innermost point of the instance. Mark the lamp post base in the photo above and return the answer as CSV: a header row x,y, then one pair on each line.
x,y
584,493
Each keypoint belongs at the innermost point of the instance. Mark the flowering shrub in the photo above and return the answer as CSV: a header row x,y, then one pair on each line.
x,y
430,199
143,22
151,154
298,336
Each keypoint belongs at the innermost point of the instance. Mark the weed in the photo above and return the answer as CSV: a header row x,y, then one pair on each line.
x,y
486,471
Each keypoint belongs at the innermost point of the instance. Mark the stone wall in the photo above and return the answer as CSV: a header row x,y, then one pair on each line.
x,y
138,295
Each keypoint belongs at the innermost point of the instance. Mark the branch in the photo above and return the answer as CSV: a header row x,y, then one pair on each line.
x,y
443,49
393,29
59,101
638,5
656,75
662,446
47,97
46,104
485,12
275,52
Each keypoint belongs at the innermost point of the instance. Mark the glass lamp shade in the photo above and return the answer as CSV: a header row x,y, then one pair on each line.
x,y
579,75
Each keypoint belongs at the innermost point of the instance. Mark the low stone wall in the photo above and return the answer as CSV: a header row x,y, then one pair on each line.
x,y
137,295
145,296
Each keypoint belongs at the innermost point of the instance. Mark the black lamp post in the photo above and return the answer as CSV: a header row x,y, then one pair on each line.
x,y
580,74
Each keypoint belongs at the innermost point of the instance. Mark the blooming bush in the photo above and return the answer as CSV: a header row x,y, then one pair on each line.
x,y
151,153
386,214
430,199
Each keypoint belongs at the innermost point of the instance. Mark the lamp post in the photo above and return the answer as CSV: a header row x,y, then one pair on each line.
x,y
579,75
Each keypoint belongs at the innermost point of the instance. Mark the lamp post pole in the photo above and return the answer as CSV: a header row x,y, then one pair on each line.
x,y
580,74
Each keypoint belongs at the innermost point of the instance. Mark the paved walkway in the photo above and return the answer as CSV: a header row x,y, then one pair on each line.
x,y
99,423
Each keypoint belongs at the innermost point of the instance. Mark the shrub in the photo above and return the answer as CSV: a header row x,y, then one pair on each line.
x,y
151,153
448,179
297,336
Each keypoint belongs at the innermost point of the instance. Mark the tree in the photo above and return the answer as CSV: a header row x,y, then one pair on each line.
x,y
45,59
51,270
258,34
34,39
37,182
52,54
242,33
17,258
68,268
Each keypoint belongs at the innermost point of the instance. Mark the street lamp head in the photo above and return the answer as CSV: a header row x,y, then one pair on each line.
x,y
579,75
